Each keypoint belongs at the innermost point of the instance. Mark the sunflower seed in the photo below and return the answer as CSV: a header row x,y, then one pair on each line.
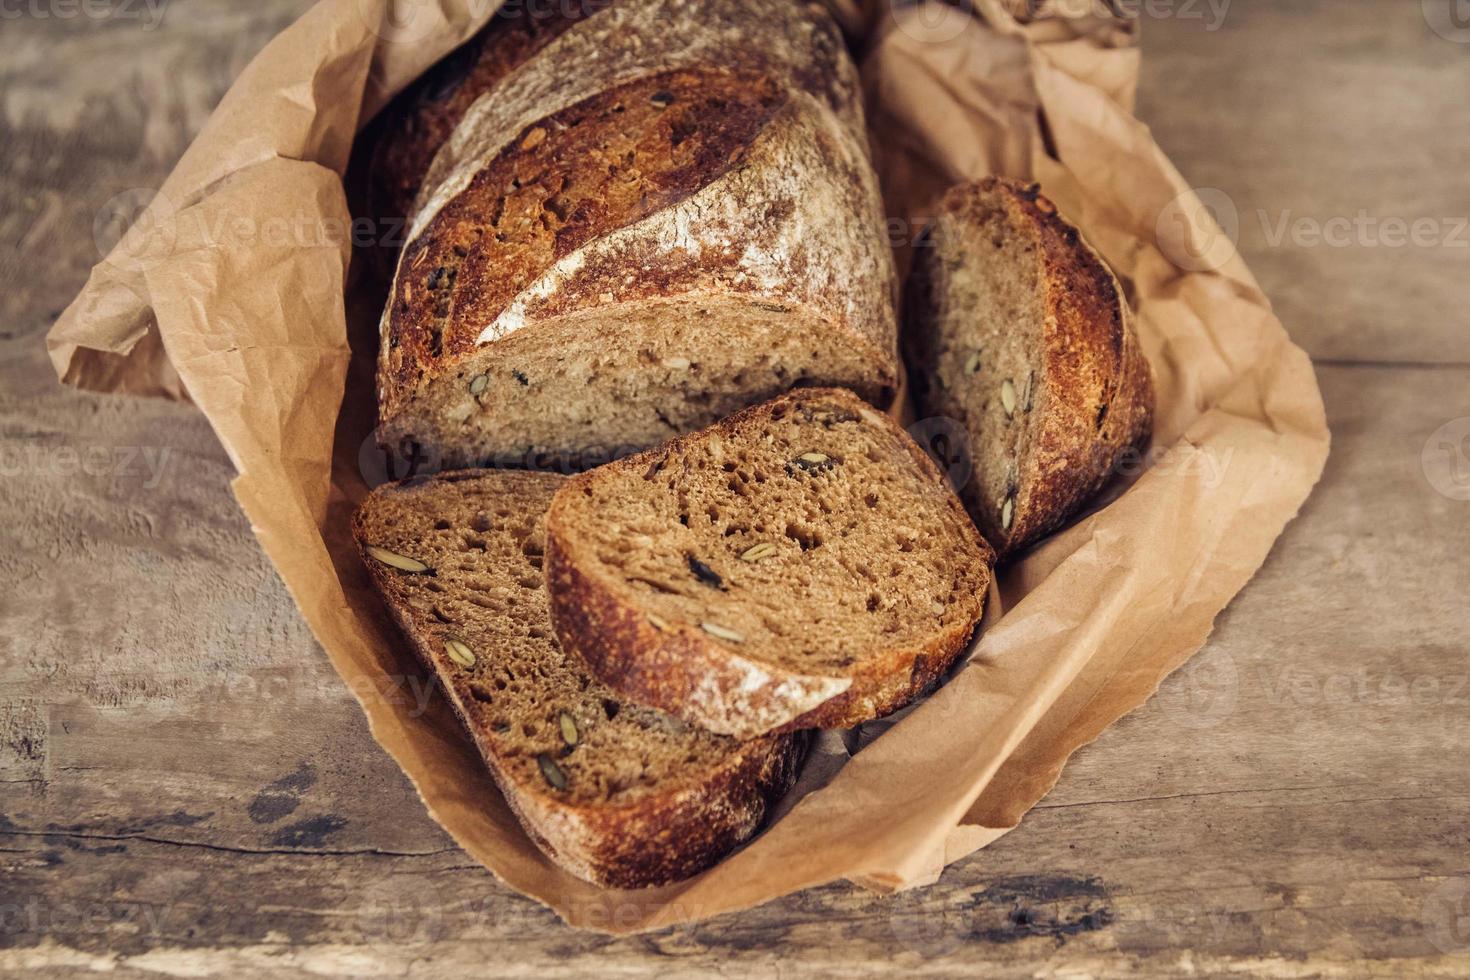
x,y
659,623
400,562
479,383
662,99
1008,397
1007,512
1030,398
676,363
972,363
721,632
756,552
551,771
459,651
569,733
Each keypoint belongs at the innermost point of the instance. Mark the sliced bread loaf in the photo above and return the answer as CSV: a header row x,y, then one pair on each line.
x,y
800,564
1017,329
617,794
663,216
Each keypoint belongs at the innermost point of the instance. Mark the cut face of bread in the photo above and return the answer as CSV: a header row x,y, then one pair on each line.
x,y
801,564
683,224
622,273
616,793
1018,330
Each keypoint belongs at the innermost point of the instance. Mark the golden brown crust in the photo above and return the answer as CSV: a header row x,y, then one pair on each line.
x,y
750,191
602,164
680,669
418,122
1100,401
1093,345
661,836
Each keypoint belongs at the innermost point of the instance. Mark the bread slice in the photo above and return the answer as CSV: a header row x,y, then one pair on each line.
x,y
1019,331
603,258
617,794
801,564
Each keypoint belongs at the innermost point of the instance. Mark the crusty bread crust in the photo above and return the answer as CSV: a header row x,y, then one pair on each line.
x,y
1100,401
668,833
681,670
420,120
779,213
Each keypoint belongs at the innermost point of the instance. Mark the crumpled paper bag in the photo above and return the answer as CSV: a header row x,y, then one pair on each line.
x,y
233,290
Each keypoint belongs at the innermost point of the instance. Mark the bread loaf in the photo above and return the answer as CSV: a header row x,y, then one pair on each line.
x,y
665,214
421,119
802,564
618,794
1018,330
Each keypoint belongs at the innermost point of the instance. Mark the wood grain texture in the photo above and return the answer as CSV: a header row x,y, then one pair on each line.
x,y
187,788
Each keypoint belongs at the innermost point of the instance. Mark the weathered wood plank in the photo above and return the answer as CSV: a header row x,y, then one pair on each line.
x,y
1329,129
185,786
1295,801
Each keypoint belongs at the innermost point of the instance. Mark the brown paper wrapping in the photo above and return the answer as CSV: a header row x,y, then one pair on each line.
x,y
232,291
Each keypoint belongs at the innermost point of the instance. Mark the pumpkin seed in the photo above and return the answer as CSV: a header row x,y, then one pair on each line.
x,y
459,651
551,771
393,558
569,733
722,632
757,552
1008,397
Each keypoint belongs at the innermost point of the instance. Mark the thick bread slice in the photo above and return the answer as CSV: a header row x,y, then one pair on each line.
x,y
605,257
801,564
617,794
1017,329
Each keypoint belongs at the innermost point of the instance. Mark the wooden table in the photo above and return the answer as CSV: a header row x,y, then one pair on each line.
x,y
186,788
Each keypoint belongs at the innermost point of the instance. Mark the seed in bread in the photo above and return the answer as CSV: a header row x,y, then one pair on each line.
x,y
849,574
1062,389
634,249
618,794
